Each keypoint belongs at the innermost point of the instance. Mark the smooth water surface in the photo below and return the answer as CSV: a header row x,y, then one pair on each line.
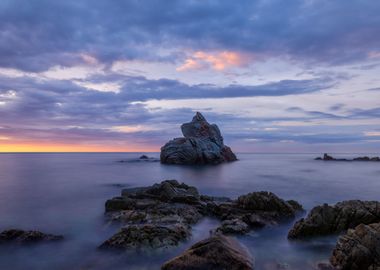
x,y
64,193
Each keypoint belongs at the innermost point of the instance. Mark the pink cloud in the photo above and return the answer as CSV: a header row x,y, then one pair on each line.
x,y
217,61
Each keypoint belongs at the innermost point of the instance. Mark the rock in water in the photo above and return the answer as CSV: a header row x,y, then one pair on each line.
x,y
202,144
26,237
359,249
146,236
214,253
326,219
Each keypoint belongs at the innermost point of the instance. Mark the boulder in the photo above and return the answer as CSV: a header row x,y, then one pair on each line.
x,y
326,219
214,253
268,201
202,144
234,226
147,236
358,249
256,209
26,237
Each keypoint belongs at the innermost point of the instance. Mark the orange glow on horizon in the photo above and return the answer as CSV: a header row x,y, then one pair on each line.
x,y
41,147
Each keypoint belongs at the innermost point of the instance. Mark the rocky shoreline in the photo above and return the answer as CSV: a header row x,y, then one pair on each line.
x,y
161,216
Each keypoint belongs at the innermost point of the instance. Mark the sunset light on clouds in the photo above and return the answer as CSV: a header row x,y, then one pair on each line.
x,y
268,72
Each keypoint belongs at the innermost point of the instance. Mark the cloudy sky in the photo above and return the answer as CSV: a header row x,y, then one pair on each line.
x,y
275,75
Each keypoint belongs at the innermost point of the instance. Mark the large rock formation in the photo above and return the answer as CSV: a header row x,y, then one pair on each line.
x,y
326,219
359,249
214,253
161,215
202,144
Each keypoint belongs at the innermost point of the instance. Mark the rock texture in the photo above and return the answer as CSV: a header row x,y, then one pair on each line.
x,y
170,204
26,237
214,253
358,249
146,236
253,210
327,157
326,219
202,144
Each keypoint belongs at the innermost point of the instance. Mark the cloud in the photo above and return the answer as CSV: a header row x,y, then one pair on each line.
x,y
35,36
217,61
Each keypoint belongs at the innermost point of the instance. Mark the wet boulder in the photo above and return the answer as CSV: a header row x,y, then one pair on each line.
x,y
214,253
358,249
202,144
255,209
326,219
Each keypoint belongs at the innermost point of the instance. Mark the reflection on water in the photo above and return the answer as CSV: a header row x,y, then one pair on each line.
x,y
65,194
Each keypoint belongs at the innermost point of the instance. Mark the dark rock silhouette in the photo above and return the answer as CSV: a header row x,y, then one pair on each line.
x,y
214,253
327,157
202,144
358,249
26,237
326,219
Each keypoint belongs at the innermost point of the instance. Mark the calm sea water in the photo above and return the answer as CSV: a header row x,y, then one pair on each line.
x,y
65,194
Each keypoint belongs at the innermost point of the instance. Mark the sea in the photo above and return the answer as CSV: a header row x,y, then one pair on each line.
x,y
65,193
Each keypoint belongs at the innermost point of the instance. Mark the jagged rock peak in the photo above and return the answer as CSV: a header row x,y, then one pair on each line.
x,y
202,144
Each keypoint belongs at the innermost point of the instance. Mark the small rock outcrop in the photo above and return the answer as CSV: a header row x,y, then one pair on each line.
x,y
327,157
202,144
159,208
253,210
26,237
214,253
326,219
358,249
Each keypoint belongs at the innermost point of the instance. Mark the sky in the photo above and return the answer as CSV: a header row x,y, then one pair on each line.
x,y
122,75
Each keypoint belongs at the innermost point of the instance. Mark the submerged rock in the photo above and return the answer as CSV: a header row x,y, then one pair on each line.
x,y
234,226
214,253
326,219
327,157
358,249
147,236
202,144
26,237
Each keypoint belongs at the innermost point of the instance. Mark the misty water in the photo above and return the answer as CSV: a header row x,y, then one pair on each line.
x,y
65,194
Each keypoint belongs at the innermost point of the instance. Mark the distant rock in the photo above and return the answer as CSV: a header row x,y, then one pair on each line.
x,y
327,157
202,144
26,237
358,249
214,253
326,219
142,158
